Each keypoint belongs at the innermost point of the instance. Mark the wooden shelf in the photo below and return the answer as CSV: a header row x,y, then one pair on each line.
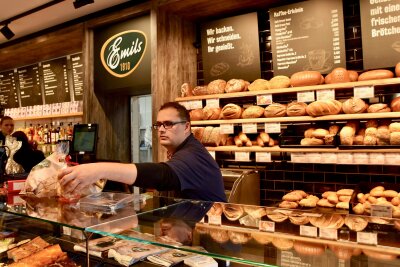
x,y
76,114
298,150
362,116
336,86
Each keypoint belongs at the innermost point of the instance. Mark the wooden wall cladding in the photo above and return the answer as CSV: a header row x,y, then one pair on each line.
x,y
51,45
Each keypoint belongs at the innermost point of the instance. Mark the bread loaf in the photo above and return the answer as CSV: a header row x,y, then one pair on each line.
x,y
394,127
258,85
354,105
320,133
231,111
306,78
340,75
196,114
275,110
370,140
216,87
358,139
328,78
311,141
380,107
214,137
235,85
346,135
198,132
210,113
395,104
397,70
334,129
279,81
324,107
309,132
353,75
395,138
375,75
186,90
200,90
253,112
296,109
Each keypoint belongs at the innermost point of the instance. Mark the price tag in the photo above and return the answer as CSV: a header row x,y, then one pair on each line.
x,y
381,211
264,99
360,158
307,96
212,103
328,233
298,157
263,157
266,226
329,158
196,104
376,158
344,158
314,157
249,127
226,128
364,91
367,238
272,127
242,156
212,153
310,231
327,94
214,219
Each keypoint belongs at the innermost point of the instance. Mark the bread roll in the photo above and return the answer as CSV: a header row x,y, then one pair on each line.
x,y
390,193
395,138
371,123
186,90
277,217
196,114
296,109
395,104
275,110
288,204
354,105
200,90
328,78
380,107
358,140
394,127
377,191
210,113
333,198
334,129
323,202
320,133
231,111
353,75
324,107
305,78
265,137
293,196
279,81
238,142
253,112
397,70
346,135
359,209
311,142
375,75
235,85
258,85
308,133
340,75
216,87
356,223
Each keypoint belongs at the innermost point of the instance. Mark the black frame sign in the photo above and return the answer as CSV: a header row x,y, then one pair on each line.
x,y
230,48
77,70
380,35
8,89
29,85
55,81
308,36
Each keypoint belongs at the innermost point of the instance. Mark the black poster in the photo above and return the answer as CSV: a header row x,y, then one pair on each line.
x,y
29,85
76,62
230,48
308,36
380,24
55,81
8,90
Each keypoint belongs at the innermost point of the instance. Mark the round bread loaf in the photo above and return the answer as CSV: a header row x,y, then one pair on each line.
x,y
324,107
395,104
299,220
254,211
261,238
282,243
296,109
196,114
340,75
279,81
277,217
214,138
206,134
239,237
383,132
331,221
306,78
216,87
258,85
219,235
394,127
235,85
395,138
288,204
308,133
354,105
380,107
353,75
186,90
328,78
375,75
232,212
200,90
231,111
397,70
253,112
275,110
210,113
346,135
370,140
320,133
355,223
198,132
308,248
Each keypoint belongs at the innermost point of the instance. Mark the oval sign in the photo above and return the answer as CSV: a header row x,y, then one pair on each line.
x,y
121,54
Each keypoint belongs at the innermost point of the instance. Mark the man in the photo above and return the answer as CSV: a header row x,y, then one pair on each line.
x,y
190,170
6,127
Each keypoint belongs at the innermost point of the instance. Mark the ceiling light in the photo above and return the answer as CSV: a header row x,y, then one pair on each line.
x,y
7,32
81,3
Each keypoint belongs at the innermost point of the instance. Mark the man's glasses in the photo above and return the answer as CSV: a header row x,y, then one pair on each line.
x,y
167,124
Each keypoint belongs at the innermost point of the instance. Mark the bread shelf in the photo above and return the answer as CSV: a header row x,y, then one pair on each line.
x,y
299,150
362,116
335,86
76,114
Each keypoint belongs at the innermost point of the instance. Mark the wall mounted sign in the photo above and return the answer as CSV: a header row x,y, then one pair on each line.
x,y
308,36
77,71
8,89
380,24
29,85
55,81
230,48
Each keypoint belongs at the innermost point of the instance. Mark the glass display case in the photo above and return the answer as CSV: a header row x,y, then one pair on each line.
x,y
169,231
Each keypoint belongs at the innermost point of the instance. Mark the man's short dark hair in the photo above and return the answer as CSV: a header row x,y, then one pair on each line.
x,y
182,111
4,119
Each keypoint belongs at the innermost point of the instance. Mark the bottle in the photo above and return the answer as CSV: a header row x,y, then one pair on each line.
x,y
30,133
69,131
62,131
46,134
52,134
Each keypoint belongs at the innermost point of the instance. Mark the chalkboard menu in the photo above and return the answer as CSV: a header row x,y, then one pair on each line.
x,y
307,36
77,75
8,90
380,24
29,85
230,48
55,81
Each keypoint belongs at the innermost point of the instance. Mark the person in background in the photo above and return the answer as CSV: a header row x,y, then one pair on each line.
x,y
190,171
6,127
27,156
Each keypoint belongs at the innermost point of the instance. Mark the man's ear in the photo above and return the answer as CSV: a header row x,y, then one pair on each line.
x,y
188,127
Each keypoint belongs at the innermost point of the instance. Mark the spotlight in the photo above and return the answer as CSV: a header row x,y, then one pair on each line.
x,y
81,3
7,32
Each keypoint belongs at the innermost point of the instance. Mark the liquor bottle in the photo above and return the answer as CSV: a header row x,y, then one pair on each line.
x,y
62,131
69,131
46,134
52,134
